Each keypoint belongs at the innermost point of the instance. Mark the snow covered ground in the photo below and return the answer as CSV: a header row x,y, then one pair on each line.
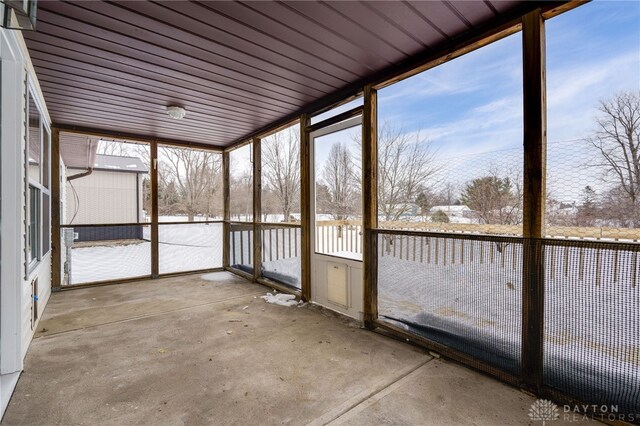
x,y
184,218
592,312
182,248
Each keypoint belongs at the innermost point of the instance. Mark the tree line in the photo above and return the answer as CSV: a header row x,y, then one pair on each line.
x,y
410,178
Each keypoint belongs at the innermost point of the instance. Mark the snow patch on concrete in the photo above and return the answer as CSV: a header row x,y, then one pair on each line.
x,y
217,276
281,299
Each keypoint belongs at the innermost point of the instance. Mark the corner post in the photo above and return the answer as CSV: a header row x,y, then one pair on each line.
x,y
305,205
370,205
56,255
227,209
257,209
155,254
535,145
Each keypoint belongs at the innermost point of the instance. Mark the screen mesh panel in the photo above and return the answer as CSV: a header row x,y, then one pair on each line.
x,y
593,167
189,185
190,247
462,293
102,253
449,145
241,247
280,176
241,184
107,181
281,254
337,110
592,322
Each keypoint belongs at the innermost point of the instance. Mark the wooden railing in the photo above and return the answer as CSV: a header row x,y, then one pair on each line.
x,y
335,236
580,232
281,241
596,262
241,244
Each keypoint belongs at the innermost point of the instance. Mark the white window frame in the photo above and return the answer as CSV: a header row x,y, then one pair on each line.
x,y
31,264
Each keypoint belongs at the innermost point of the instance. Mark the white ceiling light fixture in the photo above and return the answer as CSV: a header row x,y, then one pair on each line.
x,y
176,112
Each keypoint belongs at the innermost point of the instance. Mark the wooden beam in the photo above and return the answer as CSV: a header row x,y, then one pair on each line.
x,y
535,143
257,209
278,128
559,9
370,205
238,145
110,134
155,253
227,209
305,206
353,112
56,242
535,124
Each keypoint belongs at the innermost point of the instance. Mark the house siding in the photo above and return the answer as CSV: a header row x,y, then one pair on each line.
x,y
16,300
105,197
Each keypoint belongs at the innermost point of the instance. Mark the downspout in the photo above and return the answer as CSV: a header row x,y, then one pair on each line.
x,y
91,160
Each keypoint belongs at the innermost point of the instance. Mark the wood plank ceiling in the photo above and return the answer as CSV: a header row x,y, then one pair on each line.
x,y
235,66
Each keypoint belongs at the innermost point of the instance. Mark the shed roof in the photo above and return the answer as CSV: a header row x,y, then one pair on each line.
x,y
116,163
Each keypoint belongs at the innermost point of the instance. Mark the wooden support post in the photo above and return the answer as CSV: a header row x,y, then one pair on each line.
x,y
305,206
155,253
227,210
535,141
370,205
56,243
257,209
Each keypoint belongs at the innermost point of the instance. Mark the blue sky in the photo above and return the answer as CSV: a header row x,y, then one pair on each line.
x,y
473,104
470,109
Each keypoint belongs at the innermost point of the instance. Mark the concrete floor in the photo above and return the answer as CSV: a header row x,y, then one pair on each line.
x,y
188,351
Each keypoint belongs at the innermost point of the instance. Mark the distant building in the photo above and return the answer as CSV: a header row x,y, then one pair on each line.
x,y
459,211
111,193
408,209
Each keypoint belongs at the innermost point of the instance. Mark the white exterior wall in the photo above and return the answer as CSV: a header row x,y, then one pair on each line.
x,y
105,197
16,328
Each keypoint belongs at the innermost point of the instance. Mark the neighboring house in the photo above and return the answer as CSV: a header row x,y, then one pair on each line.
x,y
25,209
408,209
460,211
108,192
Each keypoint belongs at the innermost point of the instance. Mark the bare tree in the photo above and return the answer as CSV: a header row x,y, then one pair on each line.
x,y
281,169
406,163
241,188
125,149
194,175
617,139
339,178
115,148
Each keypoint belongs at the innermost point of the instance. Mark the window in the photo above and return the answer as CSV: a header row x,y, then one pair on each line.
x,y
338,110
37,197
46,222
34,142
34,225
46,138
